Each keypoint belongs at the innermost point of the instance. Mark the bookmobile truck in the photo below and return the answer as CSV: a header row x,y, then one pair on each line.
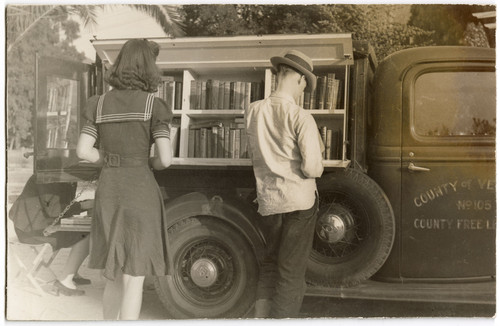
x,y
407,197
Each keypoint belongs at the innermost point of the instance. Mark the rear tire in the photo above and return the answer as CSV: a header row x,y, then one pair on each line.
x,y
215,271
354,231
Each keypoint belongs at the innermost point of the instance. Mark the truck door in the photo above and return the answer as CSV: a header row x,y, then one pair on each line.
x,y
448,171
62,87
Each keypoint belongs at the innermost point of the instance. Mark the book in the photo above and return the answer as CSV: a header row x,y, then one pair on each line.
x,y
237,95
191,142
307,100
340,97
243,144
227,132
197,143
320,94
214,141
178,95
193,95
220,96
214,105
248,95
203,142
231,95
328,145
221,142
236,143
329,91
335,93
227,95
208,95
174,139
203,100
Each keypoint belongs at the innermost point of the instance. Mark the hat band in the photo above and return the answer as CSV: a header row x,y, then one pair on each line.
x,y
299,61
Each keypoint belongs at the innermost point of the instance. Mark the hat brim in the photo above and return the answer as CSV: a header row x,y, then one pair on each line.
x,y
311,78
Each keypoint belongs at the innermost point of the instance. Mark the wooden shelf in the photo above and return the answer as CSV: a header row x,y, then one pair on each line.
x,y
212,161
214,113
326,112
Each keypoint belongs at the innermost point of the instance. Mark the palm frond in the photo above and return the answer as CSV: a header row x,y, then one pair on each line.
x,y
166,15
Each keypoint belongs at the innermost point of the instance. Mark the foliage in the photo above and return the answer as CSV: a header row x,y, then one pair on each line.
x,y
46,40
448,23
166,16
375,23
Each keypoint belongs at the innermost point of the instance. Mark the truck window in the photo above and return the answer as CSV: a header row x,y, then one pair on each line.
x,y
455,103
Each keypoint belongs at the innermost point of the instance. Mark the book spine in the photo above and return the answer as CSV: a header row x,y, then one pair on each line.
x,y
340,96
208,94
231,95
243,144
237,143
248,95
313,99
221,95
329,91
197,143
307,100
215,95
191,142
214,142
203,101
227,95
237,95
220,142
328,145
323,132
178,95
321,92
226,142
193,96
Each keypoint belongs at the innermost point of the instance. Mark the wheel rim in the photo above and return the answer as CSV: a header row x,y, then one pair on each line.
x,y
341,229
207,272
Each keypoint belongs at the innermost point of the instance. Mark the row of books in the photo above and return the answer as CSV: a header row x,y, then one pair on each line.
x,y
332,139
224,95
328,94
170,91
218,140
60,98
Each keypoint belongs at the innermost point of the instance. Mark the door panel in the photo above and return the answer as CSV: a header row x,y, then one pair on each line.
x,y
62,87
448,171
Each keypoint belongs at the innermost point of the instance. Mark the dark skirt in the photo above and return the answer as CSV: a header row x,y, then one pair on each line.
x,y
128,232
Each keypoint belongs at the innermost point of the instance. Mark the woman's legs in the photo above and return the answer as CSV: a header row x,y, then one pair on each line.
x,y
111,298
79,251
122,298
132,297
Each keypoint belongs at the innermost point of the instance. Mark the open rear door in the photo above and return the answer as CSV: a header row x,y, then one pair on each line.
x,y
62,87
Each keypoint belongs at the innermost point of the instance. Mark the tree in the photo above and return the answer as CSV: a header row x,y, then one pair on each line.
x,y
21,19
451,24
31,29
46,40
379,24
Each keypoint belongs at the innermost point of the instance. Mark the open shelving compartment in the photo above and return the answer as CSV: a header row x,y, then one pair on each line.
x,y
245,59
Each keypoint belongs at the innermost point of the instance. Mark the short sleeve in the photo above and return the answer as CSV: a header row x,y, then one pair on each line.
x,y
89,115
161,118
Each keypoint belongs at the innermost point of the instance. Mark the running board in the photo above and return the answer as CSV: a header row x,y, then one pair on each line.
x,y
476,293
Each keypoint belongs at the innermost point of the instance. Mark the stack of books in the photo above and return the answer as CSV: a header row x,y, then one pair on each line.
x,y
217,139
170,91
224,95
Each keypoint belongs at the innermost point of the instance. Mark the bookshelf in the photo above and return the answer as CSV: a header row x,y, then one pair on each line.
x,y
219,76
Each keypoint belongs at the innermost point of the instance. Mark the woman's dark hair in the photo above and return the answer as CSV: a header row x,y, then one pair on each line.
x,y
135,66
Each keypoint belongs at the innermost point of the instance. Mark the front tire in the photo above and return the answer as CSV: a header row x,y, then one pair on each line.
x,y
215,271
354,230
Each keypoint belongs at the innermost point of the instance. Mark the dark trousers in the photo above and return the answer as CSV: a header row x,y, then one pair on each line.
x,y
282,278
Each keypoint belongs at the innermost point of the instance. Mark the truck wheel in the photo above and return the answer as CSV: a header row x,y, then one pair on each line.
x,y
354,231
215,271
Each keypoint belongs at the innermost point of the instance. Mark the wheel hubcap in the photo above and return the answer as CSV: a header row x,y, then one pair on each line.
x,y
332,226
204,272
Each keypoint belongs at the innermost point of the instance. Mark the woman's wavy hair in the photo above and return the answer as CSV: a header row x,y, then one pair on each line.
x,y
135,66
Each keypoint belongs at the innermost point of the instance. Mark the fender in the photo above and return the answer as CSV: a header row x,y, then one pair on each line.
x,y
224,207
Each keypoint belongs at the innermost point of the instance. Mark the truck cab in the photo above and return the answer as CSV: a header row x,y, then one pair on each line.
x,y
407,201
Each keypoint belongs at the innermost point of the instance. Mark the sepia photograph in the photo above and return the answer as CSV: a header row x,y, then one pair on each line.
x,y
250,162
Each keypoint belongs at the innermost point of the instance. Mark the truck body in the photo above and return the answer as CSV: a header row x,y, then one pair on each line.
x,y
407,210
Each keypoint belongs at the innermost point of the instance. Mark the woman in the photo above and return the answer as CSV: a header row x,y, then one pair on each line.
x,y
128,238
35,209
